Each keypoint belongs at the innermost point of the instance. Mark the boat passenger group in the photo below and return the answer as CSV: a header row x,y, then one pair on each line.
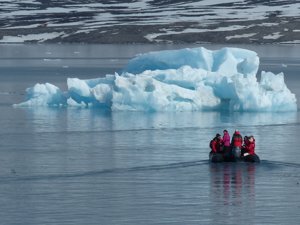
x,y
238,149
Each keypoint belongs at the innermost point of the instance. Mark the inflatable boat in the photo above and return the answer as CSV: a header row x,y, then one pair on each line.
x,y
233,156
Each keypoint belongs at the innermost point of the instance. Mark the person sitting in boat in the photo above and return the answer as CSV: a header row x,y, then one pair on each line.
x,y
216,146
246,140
236,144
249,150
249,146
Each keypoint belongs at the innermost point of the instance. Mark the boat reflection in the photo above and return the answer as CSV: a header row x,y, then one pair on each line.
x,y
232,184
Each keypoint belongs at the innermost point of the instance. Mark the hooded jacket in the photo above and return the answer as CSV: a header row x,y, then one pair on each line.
x,y
226,139
237,140
216,145
249,147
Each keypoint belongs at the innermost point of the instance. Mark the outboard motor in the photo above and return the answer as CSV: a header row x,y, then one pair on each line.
x,y
236,153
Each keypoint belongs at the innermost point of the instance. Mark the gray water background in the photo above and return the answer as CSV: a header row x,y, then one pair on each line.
x,y
87,166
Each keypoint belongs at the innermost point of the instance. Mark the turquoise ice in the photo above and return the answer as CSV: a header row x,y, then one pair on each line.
x,y
195,79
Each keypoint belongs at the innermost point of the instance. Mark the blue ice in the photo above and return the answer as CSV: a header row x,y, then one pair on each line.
x,y
194,79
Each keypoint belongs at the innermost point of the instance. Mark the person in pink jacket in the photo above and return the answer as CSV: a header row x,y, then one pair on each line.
x,y
226,140
227,147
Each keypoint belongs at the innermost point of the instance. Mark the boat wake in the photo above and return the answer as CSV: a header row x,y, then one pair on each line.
x,y
266,164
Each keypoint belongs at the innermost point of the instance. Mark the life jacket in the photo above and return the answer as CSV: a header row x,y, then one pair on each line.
x,y
226,139
237,140
250,147
216,145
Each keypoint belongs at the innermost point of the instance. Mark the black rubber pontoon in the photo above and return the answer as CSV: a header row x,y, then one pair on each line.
x,y
215,157
251,158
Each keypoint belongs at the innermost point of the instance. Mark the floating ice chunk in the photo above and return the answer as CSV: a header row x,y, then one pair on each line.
x,y
44,95
177,80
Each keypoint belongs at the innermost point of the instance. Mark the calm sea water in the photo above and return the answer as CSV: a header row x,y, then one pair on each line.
x,y
86,166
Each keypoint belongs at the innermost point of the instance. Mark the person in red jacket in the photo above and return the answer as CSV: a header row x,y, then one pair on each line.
x,y
237,140
236,145
249,146
216,144
216,153
248,151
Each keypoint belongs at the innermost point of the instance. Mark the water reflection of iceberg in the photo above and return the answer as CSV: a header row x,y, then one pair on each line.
x,y
209,122
258,118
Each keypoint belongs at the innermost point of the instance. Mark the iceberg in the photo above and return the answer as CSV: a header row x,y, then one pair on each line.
x,y
44,95
194,79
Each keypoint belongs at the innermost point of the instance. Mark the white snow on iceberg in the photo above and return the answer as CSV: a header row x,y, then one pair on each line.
x,y
177,80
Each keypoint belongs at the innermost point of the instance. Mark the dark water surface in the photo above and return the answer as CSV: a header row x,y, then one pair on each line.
x,y
86,166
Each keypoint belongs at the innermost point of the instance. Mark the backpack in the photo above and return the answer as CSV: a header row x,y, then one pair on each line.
x,y
210,143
